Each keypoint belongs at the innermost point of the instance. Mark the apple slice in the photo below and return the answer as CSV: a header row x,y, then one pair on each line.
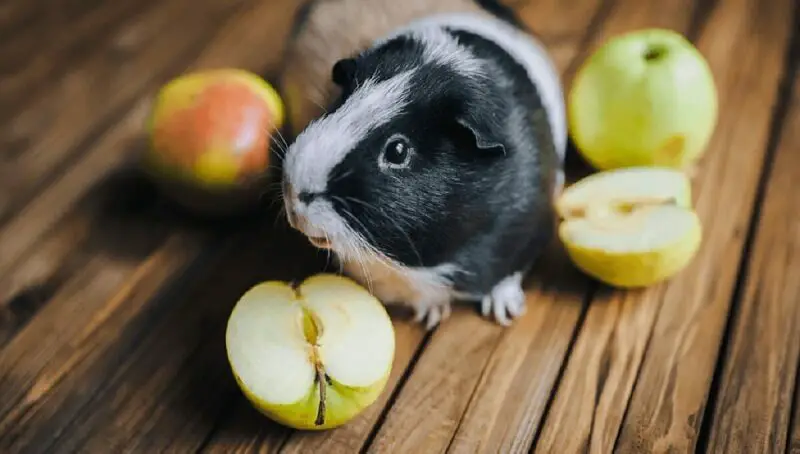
x,y
630,227
312,356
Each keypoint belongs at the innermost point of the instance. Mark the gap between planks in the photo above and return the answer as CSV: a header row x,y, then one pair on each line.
x,y
592,411
751,411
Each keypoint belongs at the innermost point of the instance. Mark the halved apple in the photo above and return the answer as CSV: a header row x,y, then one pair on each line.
x,y
630,227
311,356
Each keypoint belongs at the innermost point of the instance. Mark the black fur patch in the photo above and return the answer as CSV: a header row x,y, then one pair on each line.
x,y
483,208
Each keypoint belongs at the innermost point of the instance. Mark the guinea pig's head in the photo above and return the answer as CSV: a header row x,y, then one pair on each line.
x,y
392,166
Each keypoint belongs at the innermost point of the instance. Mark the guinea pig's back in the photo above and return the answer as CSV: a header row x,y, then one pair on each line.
x,y
328,30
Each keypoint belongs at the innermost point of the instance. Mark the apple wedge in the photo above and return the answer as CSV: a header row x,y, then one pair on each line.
x,y
630,227
311,356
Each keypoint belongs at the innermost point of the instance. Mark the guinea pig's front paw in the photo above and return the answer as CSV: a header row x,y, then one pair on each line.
x,y
506,299
431,314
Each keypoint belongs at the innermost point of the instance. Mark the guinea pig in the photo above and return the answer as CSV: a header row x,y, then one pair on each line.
x,y
428,148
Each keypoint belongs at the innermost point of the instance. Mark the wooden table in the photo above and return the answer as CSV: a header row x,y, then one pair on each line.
x,y
113,305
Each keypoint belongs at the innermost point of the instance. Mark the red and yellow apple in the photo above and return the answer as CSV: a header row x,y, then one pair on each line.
x,y
209,136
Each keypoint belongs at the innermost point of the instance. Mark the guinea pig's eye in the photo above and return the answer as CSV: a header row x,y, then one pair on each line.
x,y
397,152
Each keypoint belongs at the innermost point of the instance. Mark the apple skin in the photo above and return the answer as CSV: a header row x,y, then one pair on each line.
x,y
265,327
644,98
209,138
637,270
346,403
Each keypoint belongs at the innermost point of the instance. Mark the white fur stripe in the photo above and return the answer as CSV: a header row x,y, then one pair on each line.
x,y
325,142
521,46
438,46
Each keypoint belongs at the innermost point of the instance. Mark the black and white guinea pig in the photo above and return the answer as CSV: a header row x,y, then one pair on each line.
x,y
431,162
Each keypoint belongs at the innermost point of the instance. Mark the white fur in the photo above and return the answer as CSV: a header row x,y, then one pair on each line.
x,y
440,47
426,290
506,298
325,142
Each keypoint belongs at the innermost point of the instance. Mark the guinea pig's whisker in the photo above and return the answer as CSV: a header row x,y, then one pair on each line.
x,y
357,252
327,251
360,202
410,243
281,215
350,215
395,224
279,145
342,176
316,103
283,139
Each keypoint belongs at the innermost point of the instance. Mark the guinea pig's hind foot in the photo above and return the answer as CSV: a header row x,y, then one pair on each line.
x,y
431,314
506,301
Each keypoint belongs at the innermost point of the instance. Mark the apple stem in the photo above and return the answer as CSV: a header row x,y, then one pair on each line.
x,y
321,381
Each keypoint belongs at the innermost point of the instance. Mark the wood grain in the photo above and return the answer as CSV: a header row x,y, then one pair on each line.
x,y
37,48
430,405
116,149
669,398
592,396
41,379
171,384
122,219
39,389
755,394
509,401
61,122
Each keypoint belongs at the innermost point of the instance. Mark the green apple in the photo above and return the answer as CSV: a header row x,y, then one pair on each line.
x,y
630,227
644,98
311,356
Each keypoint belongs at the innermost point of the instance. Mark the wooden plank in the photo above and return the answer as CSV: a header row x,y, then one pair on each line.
x,y
668,402
33,50
592,396
66,212
490,383
122,142
120,218
112,152
621,17
755,394
163,388
794,428
41,382
147,51
506,407
81,375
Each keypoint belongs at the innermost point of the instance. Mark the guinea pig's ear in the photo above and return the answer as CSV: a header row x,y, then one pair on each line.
x,y
481,132
344,71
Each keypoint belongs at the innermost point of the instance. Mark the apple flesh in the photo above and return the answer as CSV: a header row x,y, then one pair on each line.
x,y
312,356
644,98
210,134
630,227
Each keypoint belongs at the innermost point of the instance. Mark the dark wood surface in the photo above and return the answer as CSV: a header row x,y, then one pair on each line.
x,y
113,304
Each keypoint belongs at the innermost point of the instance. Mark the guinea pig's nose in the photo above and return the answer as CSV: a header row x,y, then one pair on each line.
x,y
307,197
